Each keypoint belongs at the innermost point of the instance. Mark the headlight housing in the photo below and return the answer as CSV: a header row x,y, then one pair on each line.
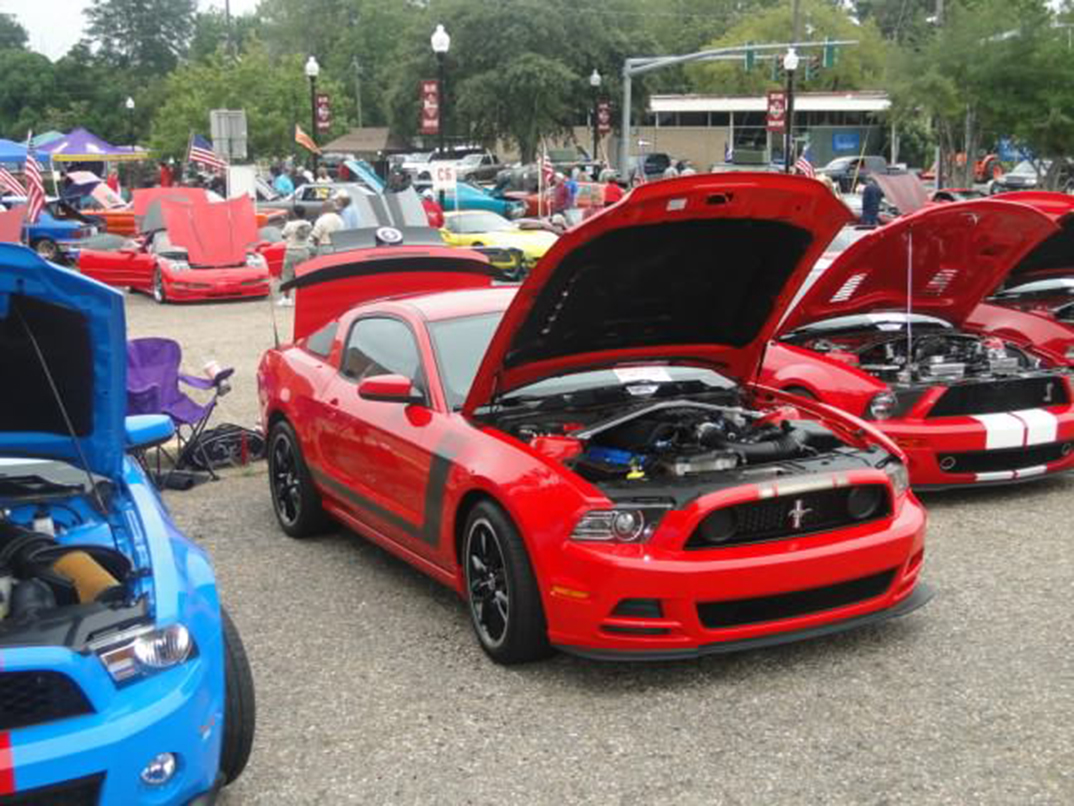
x,y
142,651
624,524
178,265
1069,354
255,261
882,406
898,475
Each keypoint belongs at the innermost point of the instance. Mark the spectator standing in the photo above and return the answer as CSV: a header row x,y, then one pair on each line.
x,y
322,175
347,210
281,182
328,221
612,191
871,195
296,235
164,176
561,194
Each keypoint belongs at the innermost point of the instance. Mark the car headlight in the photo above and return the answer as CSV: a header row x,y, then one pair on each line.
x,y
621,525
882,406
144,650
1069,354
898,475
178,265
255,261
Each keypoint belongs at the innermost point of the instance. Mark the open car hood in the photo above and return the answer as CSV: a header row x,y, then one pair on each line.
x,y
1054,256
696,269
214,234
78,325
954,254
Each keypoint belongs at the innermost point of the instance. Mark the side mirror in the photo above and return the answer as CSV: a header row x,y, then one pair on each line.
x,y
389,389
148,430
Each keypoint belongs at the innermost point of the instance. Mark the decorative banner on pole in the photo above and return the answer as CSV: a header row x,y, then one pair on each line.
x,y
430,107
324,112
604,118
777,111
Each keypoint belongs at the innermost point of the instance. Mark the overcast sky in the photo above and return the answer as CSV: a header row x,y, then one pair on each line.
x,y
55,25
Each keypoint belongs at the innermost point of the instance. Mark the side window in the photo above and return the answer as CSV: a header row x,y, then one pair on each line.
x,y
381,346
320,342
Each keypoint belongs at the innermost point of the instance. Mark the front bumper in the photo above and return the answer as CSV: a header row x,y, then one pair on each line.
x,y
173,711
177,293
592,582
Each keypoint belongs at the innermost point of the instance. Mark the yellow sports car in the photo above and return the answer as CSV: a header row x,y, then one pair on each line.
x,y
482,228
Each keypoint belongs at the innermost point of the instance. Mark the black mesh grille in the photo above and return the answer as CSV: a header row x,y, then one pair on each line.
x,y
1004,459
775,518
994,397
31,698
737,612
80,792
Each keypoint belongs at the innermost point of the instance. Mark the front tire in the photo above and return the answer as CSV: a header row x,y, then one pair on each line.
x,y
501,589
295,499
159,294
240,707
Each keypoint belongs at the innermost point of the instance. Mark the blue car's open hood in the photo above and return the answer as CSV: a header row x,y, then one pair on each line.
x,y
78,325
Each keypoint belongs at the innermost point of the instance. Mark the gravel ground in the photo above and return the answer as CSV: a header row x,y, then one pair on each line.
x,y
371,688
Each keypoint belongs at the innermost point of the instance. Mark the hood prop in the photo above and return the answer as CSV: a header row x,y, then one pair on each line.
x,y
909,295
102,509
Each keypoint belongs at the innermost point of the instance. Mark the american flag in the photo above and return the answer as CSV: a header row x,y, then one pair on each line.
x,y
804,165
10,184
548,171
35,189
201,151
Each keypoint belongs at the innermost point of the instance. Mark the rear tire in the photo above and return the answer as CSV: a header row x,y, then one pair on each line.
x,y
295,499
240,706
501,590
46,248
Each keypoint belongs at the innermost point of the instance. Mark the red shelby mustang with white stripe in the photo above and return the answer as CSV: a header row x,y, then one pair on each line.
x,y
883,334
585,457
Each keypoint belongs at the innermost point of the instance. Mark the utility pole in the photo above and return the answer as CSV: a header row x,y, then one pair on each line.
x,y
788,147
358,88
936,126
229,43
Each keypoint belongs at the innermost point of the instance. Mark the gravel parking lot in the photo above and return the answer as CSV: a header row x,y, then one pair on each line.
x,y
371,688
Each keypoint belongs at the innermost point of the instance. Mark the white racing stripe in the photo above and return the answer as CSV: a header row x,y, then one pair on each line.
x,y
1002,430
1038,470
1041,426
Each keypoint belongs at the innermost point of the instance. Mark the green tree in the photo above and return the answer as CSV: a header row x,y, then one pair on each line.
x,y
28,86
211,32
12,34
273,91
148,35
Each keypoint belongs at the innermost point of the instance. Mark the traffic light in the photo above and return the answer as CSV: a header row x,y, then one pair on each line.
x,y
829,55
751,56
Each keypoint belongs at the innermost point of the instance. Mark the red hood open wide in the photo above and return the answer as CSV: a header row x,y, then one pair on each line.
x,y
1054,256
696,269
954,254
215,234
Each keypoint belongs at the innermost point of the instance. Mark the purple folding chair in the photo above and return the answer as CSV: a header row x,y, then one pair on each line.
x,y
153,379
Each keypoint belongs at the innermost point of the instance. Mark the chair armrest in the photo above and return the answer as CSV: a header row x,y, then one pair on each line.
x,y
196,382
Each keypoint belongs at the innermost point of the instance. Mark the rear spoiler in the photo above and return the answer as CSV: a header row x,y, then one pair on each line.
x,y
330,285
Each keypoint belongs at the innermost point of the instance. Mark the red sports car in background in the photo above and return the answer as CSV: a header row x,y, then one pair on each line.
x,y
1036,303
190,249
883,334
584,458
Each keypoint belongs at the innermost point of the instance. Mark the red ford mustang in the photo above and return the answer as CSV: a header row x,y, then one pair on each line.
x,y
191,249
967,407
584,458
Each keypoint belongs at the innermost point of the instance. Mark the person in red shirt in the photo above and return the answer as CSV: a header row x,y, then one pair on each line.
x,y
113,181
612,191
166,180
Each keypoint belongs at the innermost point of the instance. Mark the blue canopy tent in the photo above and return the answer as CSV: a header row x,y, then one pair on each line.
x,y
15,153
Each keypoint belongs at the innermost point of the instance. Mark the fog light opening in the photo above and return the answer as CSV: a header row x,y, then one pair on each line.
x,y
947,463
1067,448
160,769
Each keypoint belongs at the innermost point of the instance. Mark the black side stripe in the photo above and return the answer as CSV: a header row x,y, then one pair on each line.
x,y
429,531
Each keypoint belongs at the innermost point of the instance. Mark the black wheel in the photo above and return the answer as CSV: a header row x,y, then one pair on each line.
x,y
159,294
504,602
240,707
294,498
46,248
801,391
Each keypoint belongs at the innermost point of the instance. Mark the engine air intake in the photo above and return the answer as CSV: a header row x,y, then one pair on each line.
x,y
32,698
79,792
996,461
738,612
791,516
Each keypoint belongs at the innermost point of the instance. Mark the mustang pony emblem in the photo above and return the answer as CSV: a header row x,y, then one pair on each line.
x,y
798,513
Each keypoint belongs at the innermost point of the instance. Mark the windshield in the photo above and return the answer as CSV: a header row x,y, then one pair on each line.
x,y
471,159
1025,168
478,222
459,345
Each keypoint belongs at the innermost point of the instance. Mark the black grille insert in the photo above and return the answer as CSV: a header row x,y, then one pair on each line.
x,y
737,612
994,397
79,792
791,516
31,698
1004,458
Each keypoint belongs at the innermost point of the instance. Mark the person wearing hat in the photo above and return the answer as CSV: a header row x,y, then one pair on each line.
x,y
328,221
347,211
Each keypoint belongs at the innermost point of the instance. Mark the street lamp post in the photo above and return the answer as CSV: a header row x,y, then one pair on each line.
x,y
594,83
130,138
441,42
358,88
790,64
312,71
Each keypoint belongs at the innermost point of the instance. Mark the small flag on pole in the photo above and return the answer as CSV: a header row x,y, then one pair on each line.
x,y
728,152
804,165
201,152
548,170
10,184
305,140
35,189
